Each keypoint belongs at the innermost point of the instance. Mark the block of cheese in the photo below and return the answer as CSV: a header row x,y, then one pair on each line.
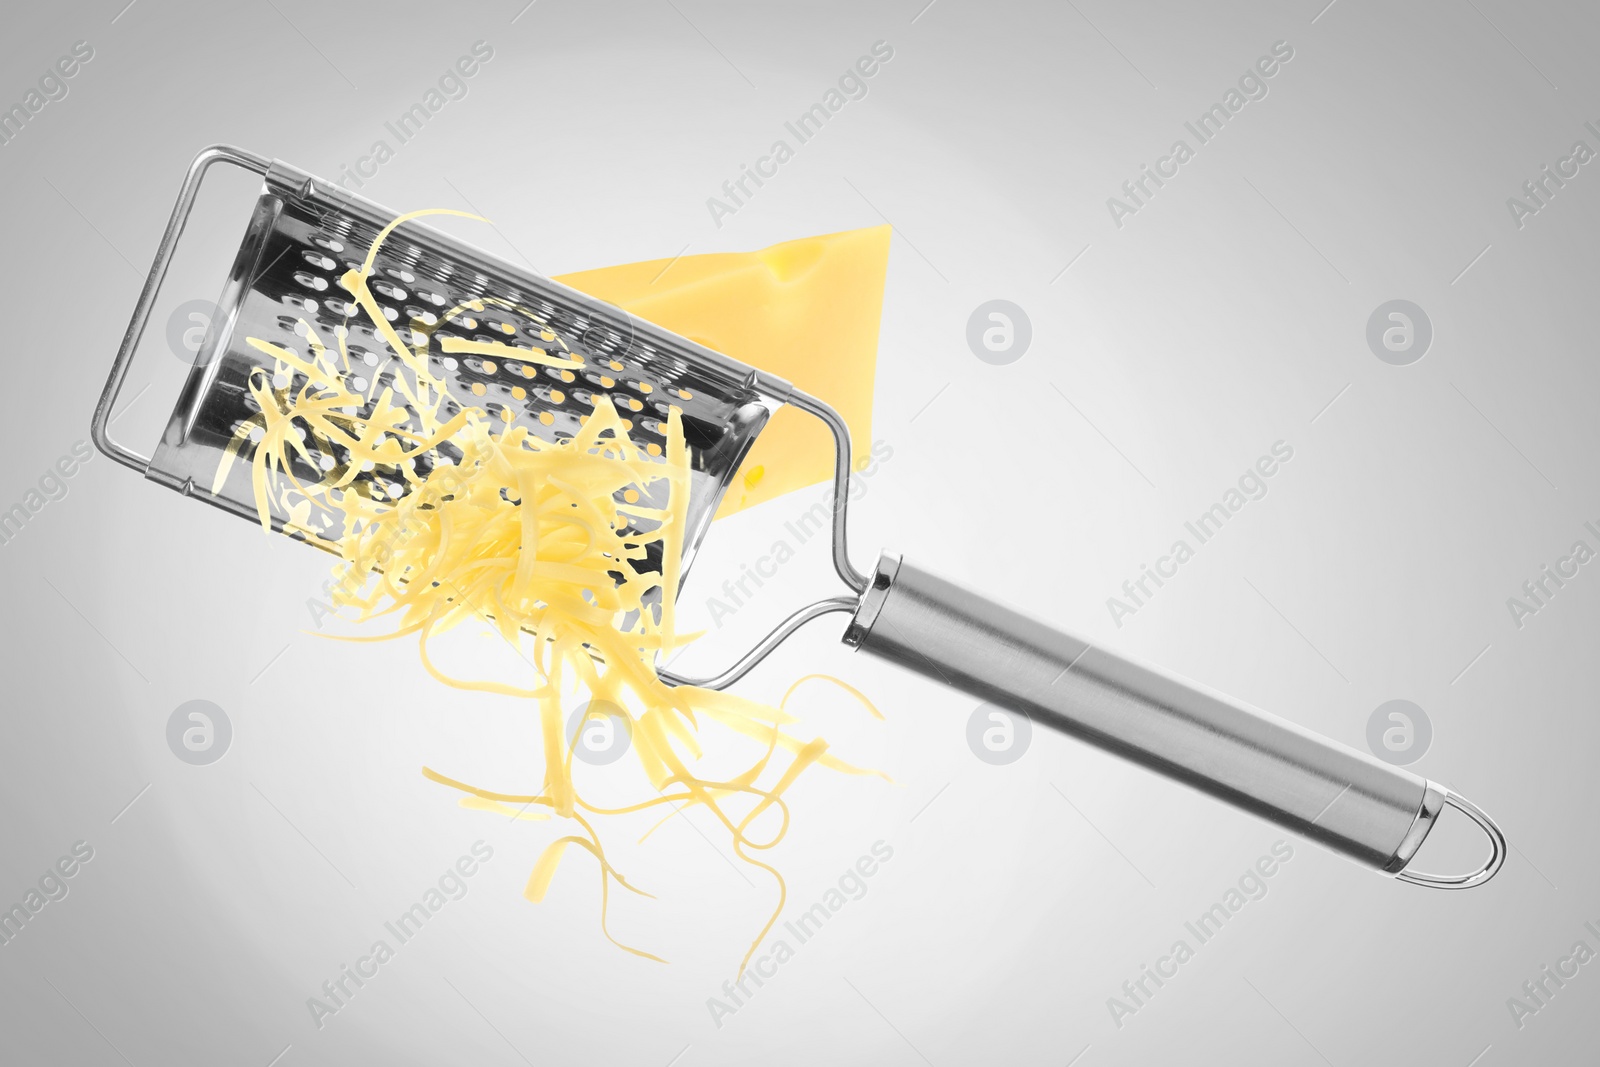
x,y
805,310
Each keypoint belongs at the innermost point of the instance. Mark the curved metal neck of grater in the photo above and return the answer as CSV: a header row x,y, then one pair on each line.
x,y
853,578
841,485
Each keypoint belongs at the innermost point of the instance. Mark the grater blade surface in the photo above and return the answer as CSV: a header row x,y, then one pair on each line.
x,y
302,236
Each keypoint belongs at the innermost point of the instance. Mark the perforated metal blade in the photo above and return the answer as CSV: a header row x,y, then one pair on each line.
x,y
304,234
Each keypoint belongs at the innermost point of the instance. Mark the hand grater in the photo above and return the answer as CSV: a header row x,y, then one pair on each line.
x,y
304,233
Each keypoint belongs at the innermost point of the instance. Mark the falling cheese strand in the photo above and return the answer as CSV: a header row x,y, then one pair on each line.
x,y
545,543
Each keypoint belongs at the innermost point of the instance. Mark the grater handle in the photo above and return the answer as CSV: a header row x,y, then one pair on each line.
x,y
1370,811
100,428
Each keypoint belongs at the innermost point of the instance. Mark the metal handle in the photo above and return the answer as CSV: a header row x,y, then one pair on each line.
x,y
1350,802
100,427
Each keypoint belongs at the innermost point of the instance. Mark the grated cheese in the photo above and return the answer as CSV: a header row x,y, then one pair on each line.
x,y
546,543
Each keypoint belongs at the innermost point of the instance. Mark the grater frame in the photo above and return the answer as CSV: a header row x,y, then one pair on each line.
x,y
724,407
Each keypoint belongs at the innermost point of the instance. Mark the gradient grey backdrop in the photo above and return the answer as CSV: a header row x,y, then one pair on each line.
x,y
1167,354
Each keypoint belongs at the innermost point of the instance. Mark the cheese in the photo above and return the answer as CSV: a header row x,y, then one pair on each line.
x,y
805,310
546,543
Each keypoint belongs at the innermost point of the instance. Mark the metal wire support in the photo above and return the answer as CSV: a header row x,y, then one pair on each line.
x,y
841,558
768,643
100,428
841,485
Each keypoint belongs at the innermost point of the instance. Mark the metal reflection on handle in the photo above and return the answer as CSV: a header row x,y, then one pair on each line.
x,y
1374,813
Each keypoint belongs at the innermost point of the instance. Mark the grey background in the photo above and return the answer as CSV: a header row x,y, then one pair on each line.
x,y
1227,314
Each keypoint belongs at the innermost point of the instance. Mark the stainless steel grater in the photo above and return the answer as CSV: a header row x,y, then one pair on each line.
x,y
305,232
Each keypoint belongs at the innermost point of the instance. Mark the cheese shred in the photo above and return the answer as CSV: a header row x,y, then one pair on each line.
x,y
443,512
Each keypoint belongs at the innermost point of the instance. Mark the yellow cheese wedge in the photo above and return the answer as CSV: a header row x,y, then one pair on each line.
x,y
805,310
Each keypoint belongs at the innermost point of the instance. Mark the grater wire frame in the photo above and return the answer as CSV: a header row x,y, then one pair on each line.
x,y
778,389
